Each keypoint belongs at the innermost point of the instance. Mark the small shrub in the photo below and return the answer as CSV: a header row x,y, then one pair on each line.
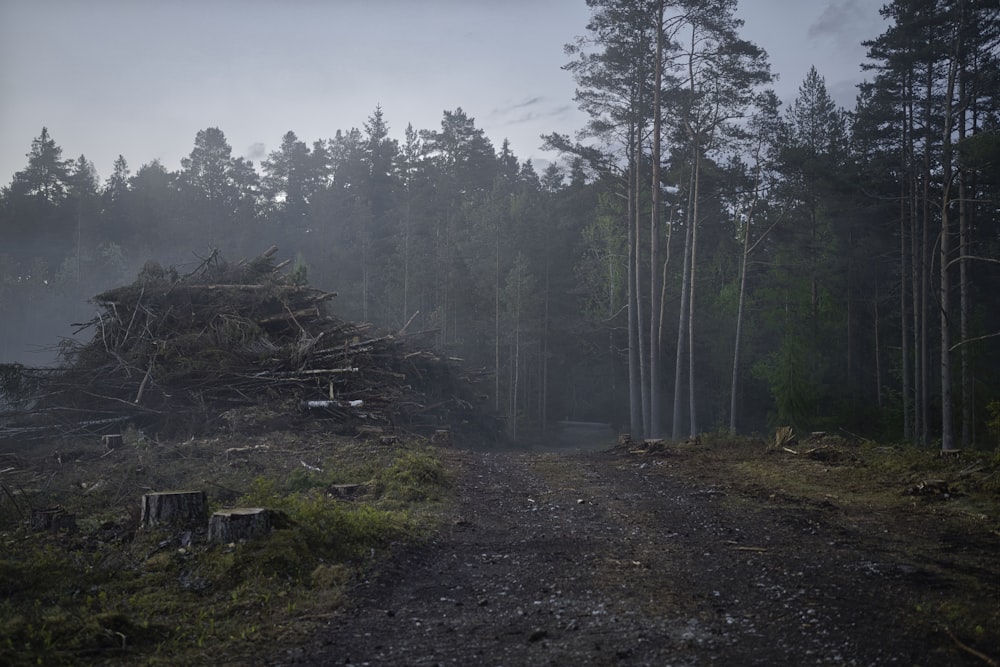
x,y
326,575
414,477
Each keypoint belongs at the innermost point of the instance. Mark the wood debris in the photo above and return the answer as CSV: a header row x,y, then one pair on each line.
x,y
240,346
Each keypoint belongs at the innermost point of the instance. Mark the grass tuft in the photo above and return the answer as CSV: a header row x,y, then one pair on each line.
x,y
111,592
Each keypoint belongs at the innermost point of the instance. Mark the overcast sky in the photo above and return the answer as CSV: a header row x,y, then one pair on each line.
x,y
141,77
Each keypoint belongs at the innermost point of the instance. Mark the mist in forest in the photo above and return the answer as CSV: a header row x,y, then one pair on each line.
x,y
696,253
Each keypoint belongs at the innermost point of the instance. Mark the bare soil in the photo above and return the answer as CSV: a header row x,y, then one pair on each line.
x,y
694,556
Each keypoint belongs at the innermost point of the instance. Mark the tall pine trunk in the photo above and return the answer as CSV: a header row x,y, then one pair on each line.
x,y
681,319
903,309
948,172
634,381
744,262
739,330
639,311
925,254
692,402
963,281
654,239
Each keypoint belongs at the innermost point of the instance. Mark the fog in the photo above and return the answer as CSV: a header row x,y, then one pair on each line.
x,y
203,105
112,78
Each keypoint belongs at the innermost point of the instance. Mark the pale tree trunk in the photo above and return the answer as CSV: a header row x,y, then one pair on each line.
x,y
515,381
692,402
654,239
640,319
406,259
364,281
496,323
968,397
748,248
851,387
916,285
543,410
365,214
903,309
681,328
739,328
634,360
963,281
947,426
878,353
925,278
947,429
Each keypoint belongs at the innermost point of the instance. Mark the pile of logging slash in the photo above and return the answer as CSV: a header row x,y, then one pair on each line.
x,y
236,345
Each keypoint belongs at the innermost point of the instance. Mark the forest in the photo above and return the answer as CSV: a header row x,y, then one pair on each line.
x,y
702,256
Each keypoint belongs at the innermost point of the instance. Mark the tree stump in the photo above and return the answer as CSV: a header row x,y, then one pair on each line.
x,y
346,491
442,437
54,519
183,508
244,523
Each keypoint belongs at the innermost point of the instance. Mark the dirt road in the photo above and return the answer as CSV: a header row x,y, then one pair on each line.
x,y
600,558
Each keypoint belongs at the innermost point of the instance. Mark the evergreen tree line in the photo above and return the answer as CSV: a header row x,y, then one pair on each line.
x,y
700,258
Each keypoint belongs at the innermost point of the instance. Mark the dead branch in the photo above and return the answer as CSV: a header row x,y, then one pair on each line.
x,y
145,379
227,338
971,651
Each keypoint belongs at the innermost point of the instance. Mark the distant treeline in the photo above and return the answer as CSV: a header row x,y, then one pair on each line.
x,y
706,260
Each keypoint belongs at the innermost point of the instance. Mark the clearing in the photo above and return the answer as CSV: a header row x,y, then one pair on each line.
x,y
695,555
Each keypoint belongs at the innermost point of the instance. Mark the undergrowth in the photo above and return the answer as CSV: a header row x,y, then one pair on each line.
x,y
111,592
895,489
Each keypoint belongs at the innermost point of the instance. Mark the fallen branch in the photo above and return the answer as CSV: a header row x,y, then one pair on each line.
x,y
145,379
238,343
971,651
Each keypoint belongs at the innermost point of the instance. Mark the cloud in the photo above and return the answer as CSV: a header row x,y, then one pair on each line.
x,y
528,110
838,19
522,108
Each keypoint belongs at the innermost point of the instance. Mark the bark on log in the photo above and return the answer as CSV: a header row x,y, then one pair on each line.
x,y
185,508
244,523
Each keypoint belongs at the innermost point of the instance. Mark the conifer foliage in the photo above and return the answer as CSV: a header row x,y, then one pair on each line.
x,y
701,256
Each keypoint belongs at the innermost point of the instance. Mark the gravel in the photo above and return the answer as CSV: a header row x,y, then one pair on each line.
x,y
601,558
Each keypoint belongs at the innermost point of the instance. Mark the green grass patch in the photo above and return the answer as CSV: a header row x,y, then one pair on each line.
x,y
109,593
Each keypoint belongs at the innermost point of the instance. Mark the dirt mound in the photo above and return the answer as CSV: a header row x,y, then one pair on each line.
x,y
244,345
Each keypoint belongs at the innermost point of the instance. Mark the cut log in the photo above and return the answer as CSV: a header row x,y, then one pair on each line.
x,y
53,518
182,508
244,523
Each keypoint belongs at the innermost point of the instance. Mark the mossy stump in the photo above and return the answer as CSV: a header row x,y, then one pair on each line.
x,y
174,508
244,523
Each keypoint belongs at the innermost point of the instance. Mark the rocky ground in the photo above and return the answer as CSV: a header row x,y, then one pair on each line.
x,y
613,558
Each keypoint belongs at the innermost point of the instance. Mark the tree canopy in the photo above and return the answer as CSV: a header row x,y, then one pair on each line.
x,y
702,255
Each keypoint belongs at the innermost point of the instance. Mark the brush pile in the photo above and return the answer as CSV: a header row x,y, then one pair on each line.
x,y
241,346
